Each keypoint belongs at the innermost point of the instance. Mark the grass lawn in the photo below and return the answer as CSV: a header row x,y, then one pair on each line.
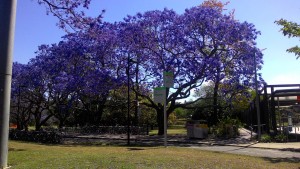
x,y
170,131
37,156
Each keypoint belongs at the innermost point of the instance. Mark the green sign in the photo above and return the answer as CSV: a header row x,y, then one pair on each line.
x,y
168,79
159,94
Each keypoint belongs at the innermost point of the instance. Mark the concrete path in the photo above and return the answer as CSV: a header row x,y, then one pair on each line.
x,y
240,145
258,152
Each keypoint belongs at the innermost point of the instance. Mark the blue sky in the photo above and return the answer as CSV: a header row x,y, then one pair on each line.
x,y
34,28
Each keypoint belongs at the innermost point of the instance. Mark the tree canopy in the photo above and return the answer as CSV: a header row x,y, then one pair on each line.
x,y
198,46
71,13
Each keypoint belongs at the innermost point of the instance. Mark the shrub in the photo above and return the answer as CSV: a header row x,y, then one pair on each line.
x,y
265,138
280,138
36,136
227,127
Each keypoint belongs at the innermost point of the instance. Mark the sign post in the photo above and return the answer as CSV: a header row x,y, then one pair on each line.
x,y
168,79
168,83
165,125
160,96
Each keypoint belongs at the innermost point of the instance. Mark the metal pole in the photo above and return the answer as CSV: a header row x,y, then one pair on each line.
x,y
7,28
18,111
128,101
136,93
165,119
165,125
278,106
257,102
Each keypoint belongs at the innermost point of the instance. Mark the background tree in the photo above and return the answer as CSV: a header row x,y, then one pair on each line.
x,y
232,100
20,105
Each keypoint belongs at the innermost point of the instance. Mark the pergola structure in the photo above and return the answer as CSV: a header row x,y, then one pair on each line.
x,y
272,97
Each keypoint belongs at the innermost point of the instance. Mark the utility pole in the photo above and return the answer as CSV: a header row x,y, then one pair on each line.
x,y
7,29
257,101
136,93
128,100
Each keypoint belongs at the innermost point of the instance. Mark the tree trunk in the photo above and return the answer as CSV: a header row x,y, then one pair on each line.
x,y
19,124
99,114
61,123
37,122
38,127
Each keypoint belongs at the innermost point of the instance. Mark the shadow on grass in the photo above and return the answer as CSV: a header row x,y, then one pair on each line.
x,y
15,149
135,149
154,141
281,160
239,148
87,142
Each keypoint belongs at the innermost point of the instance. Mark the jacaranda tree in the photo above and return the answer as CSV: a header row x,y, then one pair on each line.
x,y
82,74
200,45
70,13
73,77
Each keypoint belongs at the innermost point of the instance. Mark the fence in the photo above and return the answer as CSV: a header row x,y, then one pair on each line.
x,y
134,130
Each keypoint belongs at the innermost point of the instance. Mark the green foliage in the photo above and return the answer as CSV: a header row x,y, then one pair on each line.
x,y
295,50
227,127
236,100
290,29
280,138
148,116
36,136
181,122
172,130
172,119
181,113
266,138
229,103
115,112
201,114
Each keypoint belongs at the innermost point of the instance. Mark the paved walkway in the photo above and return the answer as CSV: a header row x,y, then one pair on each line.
x,y
240,145
280,155
244,140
